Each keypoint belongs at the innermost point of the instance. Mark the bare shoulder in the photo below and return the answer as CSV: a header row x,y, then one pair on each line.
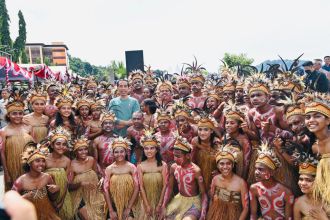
x,y
196,168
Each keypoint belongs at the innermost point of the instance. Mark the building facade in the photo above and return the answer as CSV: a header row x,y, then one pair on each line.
x,y
54,54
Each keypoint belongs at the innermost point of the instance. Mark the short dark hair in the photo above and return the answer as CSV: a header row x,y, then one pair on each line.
x,y
326,57
120,80
308,63
151,105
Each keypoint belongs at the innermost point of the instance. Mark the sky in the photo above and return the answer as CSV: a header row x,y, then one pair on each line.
x,y
172,32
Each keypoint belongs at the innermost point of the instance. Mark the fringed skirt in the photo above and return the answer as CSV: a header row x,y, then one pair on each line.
x,y
226,206
206,161
321,184
121,191
182,206
13,152
153,185
93,199
44,208
39,133
288,176
63,200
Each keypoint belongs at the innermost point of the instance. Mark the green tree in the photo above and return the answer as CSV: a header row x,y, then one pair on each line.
x,y
118,69
20,41
234,60
4,25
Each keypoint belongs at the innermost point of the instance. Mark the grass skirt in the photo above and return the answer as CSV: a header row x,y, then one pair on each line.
x,y
121,191
39,133
206,161
93,199
153,185
13,152
44,208
179,206
64,198
229,208
321,189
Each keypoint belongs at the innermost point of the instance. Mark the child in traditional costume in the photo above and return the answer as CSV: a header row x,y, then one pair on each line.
x,y
36,186
37,120
191,201
14,137
153,174
306,207
83,182
229,192
57,165
205,146
121,186
317,121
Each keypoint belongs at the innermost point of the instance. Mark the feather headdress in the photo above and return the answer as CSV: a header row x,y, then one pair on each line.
x,y
267,157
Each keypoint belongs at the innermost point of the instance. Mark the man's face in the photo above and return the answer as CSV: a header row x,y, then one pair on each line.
x,y
296,123
181,122
196,86
137,84
308,68
275,97
164,125
262,172
327,60
317,65
258,98
123,88
107,126
228,95
52,92
239,93
5,94
165,93
184,91
137,119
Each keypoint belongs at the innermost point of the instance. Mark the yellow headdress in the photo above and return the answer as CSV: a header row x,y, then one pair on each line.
x,y
232,111
308,167
37,94
51,82
319,103
149,78
15,105
84,101
32,151
121,142
182,79
181,109
207,121
258,82
80,142
149,139
195,72
292,107
164,84
99,103
91,83
215,95
108,116
267,157
162,114
59,132
136,74
64,98
181,143
226,152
